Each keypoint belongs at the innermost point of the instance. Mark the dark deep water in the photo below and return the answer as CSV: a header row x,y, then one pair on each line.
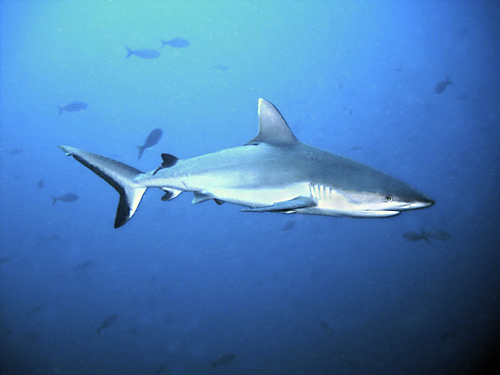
x,y
181,285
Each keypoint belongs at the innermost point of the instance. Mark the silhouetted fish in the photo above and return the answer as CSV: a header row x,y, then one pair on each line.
x,y
73,107
176,42
435,234
130,332
325,326
54,237
107,322
222,68
151,140
84,265
223,360
14,151
159,370
347,110
4,260
447,336
68,197
441,86
439,234
34,310
288,225
40,184
143,53
412,236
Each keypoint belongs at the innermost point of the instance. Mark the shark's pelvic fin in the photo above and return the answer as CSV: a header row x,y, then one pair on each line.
x,y
285,206
272,126
118,175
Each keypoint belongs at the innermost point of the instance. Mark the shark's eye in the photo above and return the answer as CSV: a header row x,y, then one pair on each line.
x,y
388,198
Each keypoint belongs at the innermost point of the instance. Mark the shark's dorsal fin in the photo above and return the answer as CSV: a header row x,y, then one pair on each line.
x,y
272,126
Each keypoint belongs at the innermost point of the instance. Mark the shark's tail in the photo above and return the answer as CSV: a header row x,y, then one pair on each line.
x,y
118,175
61,109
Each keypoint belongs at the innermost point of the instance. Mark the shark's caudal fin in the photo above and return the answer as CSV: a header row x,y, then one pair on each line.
x,y
118,175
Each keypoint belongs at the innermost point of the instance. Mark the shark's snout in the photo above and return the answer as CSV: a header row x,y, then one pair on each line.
x,y
420,203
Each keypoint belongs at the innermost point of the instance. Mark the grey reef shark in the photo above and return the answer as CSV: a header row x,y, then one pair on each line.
x,y
274,172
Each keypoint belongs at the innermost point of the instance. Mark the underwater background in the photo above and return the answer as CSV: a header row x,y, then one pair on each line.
x,y
410,88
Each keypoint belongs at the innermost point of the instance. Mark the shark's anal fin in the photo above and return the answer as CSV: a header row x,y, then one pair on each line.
x,y
285,206
170,194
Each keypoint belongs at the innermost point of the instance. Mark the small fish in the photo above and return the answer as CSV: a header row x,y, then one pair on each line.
x,y
143,53
152,139
346,361
176,42
222,68
53,237
413,237
68,197
15,151
34,310
356,148
347,110
73,107
325,326
107,322
223,360
84,265
159,370
448,336
130,332
4,260
439,234
288,225
40,184
441,86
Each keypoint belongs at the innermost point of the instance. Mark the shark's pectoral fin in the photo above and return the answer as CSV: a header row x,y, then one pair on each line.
x,y
285,206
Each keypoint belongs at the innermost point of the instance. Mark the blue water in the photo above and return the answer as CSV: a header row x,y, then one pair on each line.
x,y
190,283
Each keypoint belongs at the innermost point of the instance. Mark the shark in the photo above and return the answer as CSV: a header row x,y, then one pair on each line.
x,y
273,172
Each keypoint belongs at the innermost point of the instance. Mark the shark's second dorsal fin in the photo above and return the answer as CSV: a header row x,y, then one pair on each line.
x,y
272,126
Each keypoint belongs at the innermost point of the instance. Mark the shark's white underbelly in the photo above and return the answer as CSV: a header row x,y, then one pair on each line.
x,y
259,197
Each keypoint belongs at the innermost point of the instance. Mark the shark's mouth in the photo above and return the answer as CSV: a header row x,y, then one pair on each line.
x,y
380,213
415,205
